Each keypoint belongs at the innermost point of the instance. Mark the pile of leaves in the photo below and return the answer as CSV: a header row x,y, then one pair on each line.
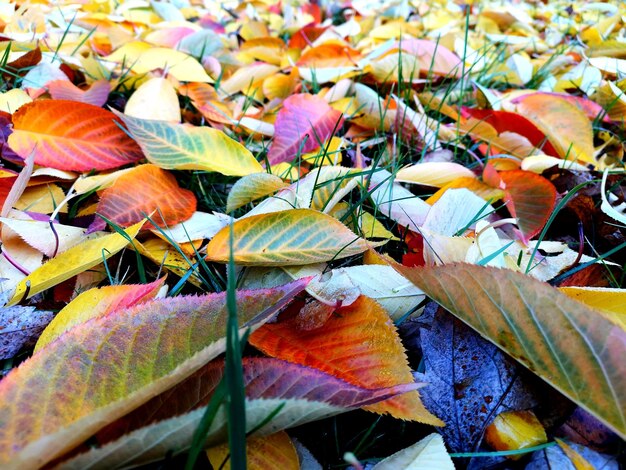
x,y
225,220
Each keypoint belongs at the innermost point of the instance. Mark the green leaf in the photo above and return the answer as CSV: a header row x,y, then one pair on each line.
x,y
182,147
569,345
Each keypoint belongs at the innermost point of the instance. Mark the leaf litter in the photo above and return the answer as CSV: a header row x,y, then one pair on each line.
x,y
358,161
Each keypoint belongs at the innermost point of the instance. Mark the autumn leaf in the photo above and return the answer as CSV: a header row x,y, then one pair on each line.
x,y
179,147
290,237
570,346
359,345
276,450
111,373
304,123
94,303
566,125
20,327
77,259
292,393
145,191
71,136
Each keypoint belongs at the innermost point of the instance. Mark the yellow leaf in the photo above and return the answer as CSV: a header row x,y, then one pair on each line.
x,y
94,303
43,198
513,430
273,451
77,259
10,101
435,174
286,238
610,302
578,460
155,99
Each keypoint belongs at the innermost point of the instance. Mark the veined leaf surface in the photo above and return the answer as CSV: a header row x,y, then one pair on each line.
x,y
180,147
108,366
286,238
569,345
77,259
301,394
96,302
302,124
146,190
252,187
72,136
359,344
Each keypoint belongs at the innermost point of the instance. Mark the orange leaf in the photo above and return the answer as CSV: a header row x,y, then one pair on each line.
x,y
329,55
359,345
567,126
73,136
205,99
141,192
303,122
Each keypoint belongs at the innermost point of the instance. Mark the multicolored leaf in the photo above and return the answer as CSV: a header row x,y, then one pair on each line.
x,y
106,367
145,191
358,344
303,124
292,393
286,238
72,136
180,147
569,345
97,302
565,124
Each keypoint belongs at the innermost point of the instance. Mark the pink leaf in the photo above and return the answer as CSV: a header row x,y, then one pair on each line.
x,y
303,122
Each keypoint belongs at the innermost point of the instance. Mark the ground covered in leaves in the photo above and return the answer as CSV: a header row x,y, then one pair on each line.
x,y
377,234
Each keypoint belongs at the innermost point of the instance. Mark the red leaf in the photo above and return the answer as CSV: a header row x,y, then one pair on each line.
x,y
531,198
504,121
303,122
71,136
141,192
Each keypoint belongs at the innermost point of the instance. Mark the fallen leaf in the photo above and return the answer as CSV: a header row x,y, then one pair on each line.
x,y
285,238
304,123
19,327
73,136
145,191
94,303
429,453
100,350
180,147
77,259
359,344
530,321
